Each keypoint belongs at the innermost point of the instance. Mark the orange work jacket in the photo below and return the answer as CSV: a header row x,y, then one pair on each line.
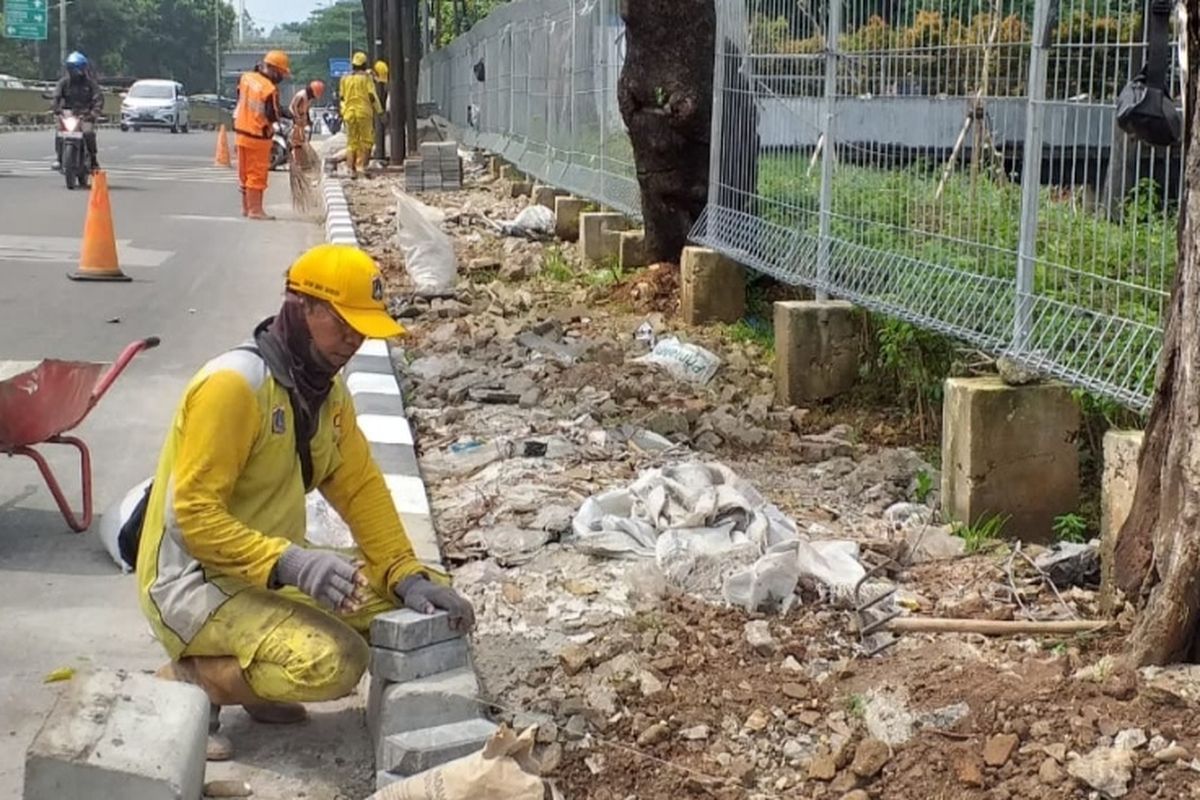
x,y
257,107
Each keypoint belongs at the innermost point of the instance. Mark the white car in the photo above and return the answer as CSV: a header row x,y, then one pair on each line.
x,y
9,82
156,104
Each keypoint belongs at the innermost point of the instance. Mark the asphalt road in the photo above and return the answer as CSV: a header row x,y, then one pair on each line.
x,y
202,277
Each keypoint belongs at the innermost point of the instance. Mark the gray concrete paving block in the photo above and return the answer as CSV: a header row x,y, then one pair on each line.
x,y
416,751
112,734
405,629
400,667
437,700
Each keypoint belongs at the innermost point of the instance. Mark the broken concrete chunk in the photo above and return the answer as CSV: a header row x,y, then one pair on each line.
x,y
758,635
113,734
1105,769
999,749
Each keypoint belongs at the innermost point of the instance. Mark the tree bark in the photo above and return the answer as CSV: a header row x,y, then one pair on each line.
x,y
1157,559
666,99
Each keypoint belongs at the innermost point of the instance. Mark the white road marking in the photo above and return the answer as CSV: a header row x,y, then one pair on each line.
x,y
171,173
371,383
65,250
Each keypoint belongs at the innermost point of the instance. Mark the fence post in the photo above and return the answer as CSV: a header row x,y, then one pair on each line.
x,y
1031,171
571,87
828,153
716,140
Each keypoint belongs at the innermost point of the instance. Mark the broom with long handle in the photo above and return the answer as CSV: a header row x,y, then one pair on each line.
x,y
303,168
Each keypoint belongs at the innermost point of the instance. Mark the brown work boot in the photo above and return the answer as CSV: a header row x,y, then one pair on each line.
x,y
254,197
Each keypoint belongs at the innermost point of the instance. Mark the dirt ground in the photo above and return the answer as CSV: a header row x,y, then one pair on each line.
x,y
526,401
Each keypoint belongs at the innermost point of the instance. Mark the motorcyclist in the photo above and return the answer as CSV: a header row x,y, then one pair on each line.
x,y
79,93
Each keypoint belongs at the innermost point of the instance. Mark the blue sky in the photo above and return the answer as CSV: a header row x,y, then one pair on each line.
x,y
268,13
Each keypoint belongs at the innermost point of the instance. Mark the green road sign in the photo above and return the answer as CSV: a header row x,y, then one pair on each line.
x,y
25,19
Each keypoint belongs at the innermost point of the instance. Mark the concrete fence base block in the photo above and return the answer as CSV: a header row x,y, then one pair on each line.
x,y
631,250
566,217
1117,487
495,165
546,195
511,173
818,348
1009,451
712,288
116,735
598,235
522,189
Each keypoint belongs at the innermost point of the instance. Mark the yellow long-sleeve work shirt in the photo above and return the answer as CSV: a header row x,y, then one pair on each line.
x,y
358,96
229,497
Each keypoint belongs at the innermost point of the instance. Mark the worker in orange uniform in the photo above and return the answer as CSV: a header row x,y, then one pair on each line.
x,y
253,122
360,104
300,106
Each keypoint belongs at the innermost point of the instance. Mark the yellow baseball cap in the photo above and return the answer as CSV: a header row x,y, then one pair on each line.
x,y
349,280
359,59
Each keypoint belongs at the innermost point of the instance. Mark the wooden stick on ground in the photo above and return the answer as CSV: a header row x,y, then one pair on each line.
x,y
995,627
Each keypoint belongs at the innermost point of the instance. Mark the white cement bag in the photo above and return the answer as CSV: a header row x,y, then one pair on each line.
x,y
687,362
428,253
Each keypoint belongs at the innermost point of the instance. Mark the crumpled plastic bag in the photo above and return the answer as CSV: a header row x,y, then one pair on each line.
x,y
533,219
504,770
428,252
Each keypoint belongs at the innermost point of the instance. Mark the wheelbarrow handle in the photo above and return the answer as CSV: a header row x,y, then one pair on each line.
x,y
127,355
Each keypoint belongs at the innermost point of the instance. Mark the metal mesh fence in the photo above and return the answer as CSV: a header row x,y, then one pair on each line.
x,y
547,100
954,163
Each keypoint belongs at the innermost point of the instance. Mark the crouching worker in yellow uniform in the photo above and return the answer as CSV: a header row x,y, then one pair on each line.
x,y
243,607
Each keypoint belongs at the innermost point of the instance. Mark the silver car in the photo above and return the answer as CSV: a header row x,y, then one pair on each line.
x,y
156,104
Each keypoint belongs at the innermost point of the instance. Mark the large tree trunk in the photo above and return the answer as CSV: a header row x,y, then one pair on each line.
x,y
1157,557
666,99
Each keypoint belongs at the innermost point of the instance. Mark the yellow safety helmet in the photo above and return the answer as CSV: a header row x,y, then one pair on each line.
x,y
279,60
381,70
359,59
349,280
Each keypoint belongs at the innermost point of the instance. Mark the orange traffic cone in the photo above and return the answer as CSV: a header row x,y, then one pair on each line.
x,y
98,256
222,157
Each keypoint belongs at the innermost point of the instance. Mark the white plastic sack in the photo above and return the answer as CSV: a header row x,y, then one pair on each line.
x,y
769,585
428,253
532,219
687,362
112,520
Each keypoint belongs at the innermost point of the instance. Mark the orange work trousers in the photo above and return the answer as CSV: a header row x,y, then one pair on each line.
x,y
254,162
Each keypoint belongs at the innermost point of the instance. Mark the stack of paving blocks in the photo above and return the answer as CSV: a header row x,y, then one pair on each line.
x,y
438,169
424,708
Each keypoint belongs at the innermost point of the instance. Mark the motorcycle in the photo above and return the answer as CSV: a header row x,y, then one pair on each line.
x,y
333,121
76,161
281,143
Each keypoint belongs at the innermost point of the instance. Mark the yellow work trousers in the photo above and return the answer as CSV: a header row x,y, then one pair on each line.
x,y
290,649
360,134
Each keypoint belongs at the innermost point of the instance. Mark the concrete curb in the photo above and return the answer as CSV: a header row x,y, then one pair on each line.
x,y
413,724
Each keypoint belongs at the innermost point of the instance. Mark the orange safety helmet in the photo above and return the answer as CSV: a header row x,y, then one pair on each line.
x,y
316,88
279,60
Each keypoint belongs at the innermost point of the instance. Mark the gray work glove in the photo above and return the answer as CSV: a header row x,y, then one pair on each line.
x,y
325,577
426,597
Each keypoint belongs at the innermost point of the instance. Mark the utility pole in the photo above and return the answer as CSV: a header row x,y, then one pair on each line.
x,y
396,83
62,32
217,49
350,21
241,21
408,32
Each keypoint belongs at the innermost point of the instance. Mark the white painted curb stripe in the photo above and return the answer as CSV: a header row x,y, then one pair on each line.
x,y
372,383
385,429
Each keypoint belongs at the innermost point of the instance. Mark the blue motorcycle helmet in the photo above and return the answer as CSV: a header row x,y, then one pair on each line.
x,y
76,63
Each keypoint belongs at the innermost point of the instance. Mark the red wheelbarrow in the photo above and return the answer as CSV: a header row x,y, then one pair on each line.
x,y
41,401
